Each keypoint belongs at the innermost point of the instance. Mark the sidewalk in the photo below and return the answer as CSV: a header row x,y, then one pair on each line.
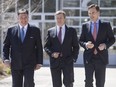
x,y
43,78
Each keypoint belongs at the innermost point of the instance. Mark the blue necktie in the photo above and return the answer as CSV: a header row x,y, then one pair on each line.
x,y
22,34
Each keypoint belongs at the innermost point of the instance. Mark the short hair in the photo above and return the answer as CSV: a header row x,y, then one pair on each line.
x,y
61,12
22,11
94,5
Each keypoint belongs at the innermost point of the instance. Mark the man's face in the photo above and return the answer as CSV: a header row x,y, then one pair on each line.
x,y
23,19
93,14
60,20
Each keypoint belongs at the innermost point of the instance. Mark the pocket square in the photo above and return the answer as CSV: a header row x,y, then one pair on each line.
x,y
31,37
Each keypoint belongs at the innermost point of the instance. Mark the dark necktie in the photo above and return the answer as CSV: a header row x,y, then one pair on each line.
x,y
22,34
60,35
95,32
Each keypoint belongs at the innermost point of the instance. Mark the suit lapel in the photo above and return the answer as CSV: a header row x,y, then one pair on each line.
x,y
66,34
99,31
27,33
88,26
18,33
55,34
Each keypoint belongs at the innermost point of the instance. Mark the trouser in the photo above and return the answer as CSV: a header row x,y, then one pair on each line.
x,y
68,76
25,75
99,68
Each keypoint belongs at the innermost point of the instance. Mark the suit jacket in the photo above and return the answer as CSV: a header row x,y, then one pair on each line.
x,y
26,54
105,35
69,48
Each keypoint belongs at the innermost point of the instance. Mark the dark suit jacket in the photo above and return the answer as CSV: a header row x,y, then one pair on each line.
x,y
69,48
105,35
26,54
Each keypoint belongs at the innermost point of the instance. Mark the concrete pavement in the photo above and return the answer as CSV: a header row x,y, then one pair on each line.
x,y
43,78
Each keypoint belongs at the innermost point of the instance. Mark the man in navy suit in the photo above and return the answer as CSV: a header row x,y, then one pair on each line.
x,y
96,38
23,55
63,48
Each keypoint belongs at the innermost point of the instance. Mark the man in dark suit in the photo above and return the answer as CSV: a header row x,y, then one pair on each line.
x,y
23,51
62,47
96,38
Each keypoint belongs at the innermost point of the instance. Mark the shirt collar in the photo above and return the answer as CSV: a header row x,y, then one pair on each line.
x,y
25,27
63,27
96,21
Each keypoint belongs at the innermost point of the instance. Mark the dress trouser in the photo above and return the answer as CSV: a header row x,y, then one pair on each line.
x,y
99,68
68,76
25,75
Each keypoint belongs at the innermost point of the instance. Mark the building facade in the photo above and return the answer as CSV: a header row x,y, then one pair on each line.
x,y
42,13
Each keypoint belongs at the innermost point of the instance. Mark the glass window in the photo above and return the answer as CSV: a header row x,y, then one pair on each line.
x,y
49,17
0,20
8,6
114,31
71,3
50,5
84,13
36,17
47,26
0,6
114,22
36,6
109,13
22,4
72,21
86,3
9,17
83,20
108,3
72,12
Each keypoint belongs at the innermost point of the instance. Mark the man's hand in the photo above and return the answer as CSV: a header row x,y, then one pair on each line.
x,y
7,63
102,46
55,54
89,45
38,66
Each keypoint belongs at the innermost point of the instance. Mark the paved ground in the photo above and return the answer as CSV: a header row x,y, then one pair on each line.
x,y
43,78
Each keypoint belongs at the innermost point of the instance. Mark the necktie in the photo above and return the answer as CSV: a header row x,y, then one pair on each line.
x,y
60,35
22,34
95,32
95,35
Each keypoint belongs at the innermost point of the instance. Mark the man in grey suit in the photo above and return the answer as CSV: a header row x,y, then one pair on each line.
x,y
63,48
23,51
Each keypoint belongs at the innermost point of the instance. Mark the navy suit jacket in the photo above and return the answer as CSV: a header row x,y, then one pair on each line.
x,y
105,35
69,48
26,54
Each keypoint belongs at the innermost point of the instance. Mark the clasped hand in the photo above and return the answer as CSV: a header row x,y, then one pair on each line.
x,y
55,54
90,45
